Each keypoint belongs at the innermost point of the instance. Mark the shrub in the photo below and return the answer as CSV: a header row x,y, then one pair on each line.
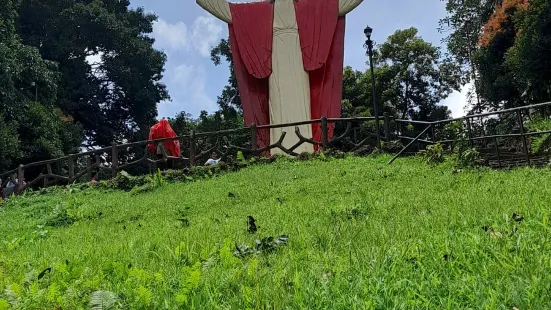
x,y
540,144
433,154
392,146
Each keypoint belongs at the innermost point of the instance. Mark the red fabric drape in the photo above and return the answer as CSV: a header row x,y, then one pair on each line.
x,y
251,36
321,34
163,130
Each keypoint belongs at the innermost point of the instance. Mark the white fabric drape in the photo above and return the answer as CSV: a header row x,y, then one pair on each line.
x,y
289,83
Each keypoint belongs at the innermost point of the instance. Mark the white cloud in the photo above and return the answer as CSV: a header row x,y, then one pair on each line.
x,y
206,31
203,34
458,101
188,90
171,36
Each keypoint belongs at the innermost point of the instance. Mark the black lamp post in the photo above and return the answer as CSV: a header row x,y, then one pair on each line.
x,y
369,45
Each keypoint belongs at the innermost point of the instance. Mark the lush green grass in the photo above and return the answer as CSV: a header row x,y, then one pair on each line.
x,y
362,235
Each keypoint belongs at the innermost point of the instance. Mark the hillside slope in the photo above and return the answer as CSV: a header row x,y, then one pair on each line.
x,y
362,235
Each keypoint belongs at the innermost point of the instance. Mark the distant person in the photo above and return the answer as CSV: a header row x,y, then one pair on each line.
x,y
213,160
162,130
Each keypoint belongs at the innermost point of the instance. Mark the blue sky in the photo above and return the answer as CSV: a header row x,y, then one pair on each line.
x,y
185,33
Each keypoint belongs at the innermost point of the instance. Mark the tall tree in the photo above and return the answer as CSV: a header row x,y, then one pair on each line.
x,y
116,97
419,78
497,80
30,129
530,57
464,25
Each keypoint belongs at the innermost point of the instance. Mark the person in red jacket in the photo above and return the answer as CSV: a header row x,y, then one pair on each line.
x,y
163,130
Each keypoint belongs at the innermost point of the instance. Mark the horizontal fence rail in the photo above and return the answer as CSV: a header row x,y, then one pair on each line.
x,y
196,147
482,139
350,134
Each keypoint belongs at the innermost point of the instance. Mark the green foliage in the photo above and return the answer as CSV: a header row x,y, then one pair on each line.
x,y
539,144
102,300
453,131
115,97
433,154
529,57
413,229
31,126
469,157
9,145
466,156
392,146
159,181
418,76
124,181
510,67
4,305
44,135
265,245
240,158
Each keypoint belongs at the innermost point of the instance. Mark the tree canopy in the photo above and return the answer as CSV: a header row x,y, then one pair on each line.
x,y
29,130
54,98
506,44
115,97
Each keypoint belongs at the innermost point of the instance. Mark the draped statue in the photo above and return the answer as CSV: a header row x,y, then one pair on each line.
x,y
288,60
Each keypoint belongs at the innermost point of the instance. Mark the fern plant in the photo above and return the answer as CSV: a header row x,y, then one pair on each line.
x,y
103,300
540,144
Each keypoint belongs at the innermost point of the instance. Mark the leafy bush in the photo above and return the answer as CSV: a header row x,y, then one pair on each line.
x,y
540,144
433,154
124,181
466,157
452,131
470,156
392,146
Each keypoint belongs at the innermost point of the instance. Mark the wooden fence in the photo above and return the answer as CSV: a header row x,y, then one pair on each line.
x,y
481,138
107,160
351,137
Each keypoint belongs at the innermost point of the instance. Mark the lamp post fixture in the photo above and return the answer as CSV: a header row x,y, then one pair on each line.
x,y
369,46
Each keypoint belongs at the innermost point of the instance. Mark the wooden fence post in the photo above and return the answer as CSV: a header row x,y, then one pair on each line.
x,y
254,138
387,126
324,132
192,149
497,152
98,164
48,173
89,168
433,134
114,159
469,131
523,137
409,144
20,176
483,132
71,166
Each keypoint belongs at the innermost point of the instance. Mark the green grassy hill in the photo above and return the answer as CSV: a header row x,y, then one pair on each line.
x,y
362,235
